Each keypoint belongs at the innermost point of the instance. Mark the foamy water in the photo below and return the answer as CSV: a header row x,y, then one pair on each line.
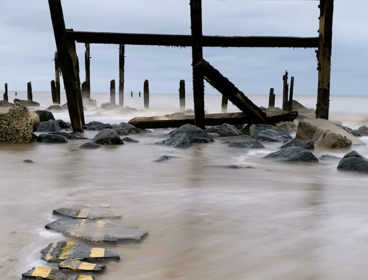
x,y
271,221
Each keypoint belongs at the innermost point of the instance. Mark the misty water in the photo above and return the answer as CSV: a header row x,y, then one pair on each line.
x,y
205,221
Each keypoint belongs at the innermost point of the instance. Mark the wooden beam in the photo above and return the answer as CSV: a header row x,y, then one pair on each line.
x,y
57,78
87,64
324,58
121,74
72,88
182,95
185,40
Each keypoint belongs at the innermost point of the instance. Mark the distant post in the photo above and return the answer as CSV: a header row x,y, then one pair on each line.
x,y
53,92
182,95
146,94
86,89
131,93
6,96
57,79
290,107
285,92
29,91
271,99
224,102
112,91
121,74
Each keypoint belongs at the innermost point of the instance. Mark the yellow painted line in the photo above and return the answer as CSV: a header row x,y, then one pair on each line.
x,y
48,254
97,253
86,266
84,277
65,253
41,271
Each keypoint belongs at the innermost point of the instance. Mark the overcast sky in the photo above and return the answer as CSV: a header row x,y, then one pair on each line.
x,y
27,44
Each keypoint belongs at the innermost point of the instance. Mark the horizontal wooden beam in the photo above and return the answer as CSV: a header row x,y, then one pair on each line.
x,y
186,41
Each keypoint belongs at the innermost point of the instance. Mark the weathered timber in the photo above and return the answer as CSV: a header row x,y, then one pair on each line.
x,y
145,94
271,99
223,85
197,55
112,91
29,92
57,79
324,58
182,95
6,96
211,119
72,88
185,40
53,92
121,74
224,102
285,91
291,94
86,90
131,93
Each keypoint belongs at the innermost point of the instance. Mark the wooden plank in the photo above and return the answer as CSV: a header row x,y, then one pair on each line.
x,y
71,81
291,95
223,85
211,119
29,91
112,91
145,94
185,40
324,58
87,64
121,74
285,91
197,55
182,95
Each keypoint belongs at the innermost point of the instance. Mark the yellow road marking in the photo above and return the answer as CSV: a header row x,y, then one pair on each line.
x,y
97,253
41,271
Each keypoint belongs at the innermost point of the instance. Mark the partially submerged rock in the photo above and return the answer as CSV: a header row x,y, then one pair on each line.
x,y
27,103
353,132
97,126
4,103
225,130
45,115
90,146
292,154
107,137
180,140
269,133
288,126
69,135
164,158
363,130
325,139
86,213
353,161
248,144
79,266
61,251
40,272
54,108
299,143
121,131
130,139
64,125
51,138
49,126
96,230
328,158
130,128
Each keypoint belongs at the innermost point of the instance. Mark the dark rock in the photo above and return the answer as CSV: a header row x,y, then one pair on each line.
x,y
4,103
44,115
96,230
51,138
194,133
70,136
60,251
75,265
351,131
164,158
249,144
86,213
49,126
54,108
176,114
121,131
130,128
292,154
107,137
34,137
64,125
97,126
180,140
269,133
226,130
109,106
363,130
28,161
40,272
245,129
308,145
328,157
353,161
212,129
27,103
129,139
89,146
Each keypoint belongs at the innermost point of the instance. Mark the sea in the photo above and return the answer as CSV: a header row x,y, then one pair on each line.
x,y
205,222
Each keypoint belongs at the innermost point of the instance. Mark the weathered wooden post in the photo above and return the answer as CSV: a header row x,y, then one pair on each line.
x,y
146,94
324,58
86,88
224,102
197,55
291,95
131,93
285,92
182,95
6,96
53,92
121,74
67,62
29,91
57,79
112,91
271,98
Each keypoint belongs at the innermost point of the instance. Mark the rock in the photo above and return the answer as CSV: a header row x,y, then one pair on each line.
x,y
308,145
27,161
85,277
61,251
40,272
175,114
69,136
89,102
86,213
363,130
109,106
325,139
51,138
130,128
308,127
121,131
164,158
35,120
49,126
269,133
288,126
16,126
65,106
64,125
27,103
328,157
96,230
45,115
245,129
34,137
89,146
75,265
292,154
226,130
180,140
249,144
353,161
4,103
125,110
129,139
351,131
194,133
97,126
107,137
54,108
302,109
212,129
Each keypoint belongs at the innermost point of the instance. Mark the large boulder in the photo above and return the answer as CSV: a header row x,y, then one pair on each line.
x,y
325,139
353,161
27,103
308,127
224,130
130,128
269,133
16,126
179,140
292,154
52,138
49,126
107,137
45,115
308,145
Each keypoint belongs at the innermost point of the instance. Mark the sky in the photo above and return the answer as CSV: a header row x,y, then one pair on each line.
x,y
27,44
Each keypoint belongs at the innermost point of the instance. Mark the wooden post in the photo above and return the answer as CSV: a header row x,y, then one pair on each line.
x,y
86,90
290,107
131,93
271,99
29,91
285,92
53,92
121,74
67,62
224,102
112,91
324,58
57,79
6,96
197,55
139,94
182,95
146,94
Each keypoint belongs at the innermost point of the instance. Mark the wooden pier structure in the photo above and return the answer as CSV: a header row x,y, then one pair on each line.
x,y
201,69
